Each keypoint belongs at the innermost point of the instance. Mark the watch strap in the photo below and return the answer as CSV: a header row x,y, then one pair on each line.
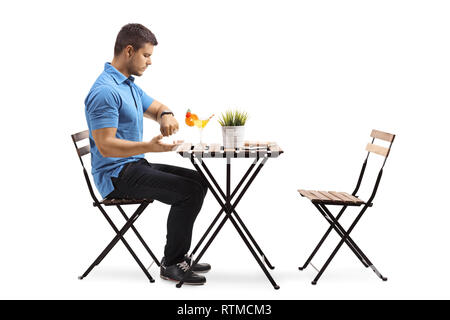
x,y
166,112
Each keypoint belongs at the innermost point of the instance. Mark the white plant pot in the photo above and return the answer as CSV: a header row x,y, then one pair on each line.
x,y
233,137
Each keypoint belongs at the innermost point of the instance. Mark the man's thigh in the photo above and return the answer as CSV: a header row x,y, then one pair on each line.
x,y
148,181
180,171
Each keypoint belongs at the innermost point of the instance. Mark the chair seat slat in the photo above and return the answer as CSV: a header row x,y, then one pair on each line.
x,y
307,194
114,202
340,196
319,196
350,197
330,196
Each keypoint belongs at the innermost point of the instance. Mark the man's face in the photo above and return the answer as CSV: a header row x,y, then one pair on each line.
x,y
140,60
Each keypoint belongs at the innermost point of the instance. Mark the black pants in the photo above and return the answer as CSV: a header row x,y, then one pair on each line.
x,y
182,188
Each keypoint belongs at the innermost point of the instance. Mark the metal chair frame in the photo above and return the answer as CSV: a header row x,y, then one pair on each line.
x,y
120,233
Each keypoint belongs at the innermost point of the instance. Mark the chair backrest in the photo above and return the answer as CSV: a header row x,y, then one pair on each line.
x,y
376,134
377,149
82,151
77,137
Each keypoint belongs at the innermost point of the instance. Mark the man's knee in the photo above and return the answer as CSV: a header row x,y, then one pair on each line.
x,y
201,181
196,194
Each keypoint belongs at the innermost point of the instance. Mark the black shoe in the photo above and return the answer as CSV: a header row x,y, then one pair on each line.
x,y
180,271
199,267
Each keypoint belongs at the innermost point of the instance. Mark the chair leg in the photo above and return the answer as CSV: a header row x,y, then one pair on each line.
x,y
311,256
345,237
140,237
341,231
136,214
118,237
364,259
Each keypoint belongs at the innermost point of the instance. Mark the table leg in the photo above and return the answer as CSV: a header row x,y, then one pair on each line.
x,y
229,209
238,229
255,244
223,195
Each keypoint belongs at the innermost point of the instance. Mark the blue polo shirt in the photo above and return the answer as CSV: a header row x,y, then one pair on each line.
x,y
114,101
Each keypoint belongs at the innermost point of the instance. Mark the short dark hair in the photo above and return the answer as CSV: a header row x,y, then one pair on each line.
x,y
133,34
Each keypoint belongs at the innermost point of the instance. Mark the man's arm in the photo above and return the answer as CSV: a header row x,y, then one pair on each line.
x,y
110,146
168,123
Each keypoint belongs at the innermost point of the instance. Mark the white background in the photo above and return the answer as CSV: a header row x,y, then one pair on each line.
x,y
315,76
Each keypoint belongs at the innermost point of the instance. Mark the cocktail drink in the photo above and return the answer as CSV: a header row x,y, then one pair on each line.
x,y
201,124
193,120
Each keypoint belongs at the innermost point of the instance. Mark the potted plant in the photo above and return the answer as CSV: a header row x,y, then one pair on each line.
x,y
232,122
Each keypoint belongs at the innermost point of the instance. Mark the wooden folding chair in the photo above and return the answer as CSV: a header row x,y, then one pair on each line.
x,y
320,199
143,203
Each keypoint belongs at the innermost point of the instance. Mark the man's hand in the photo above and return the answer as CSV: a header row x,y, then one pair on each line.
x,y
155,145
168,125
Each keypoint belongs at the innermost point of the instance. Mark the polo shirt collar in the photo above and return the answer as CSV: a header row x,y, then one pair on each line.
x,y
116,74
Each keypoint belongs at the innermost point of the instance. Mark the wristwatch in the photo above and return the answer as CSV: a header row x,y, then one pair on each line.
x,y
166,112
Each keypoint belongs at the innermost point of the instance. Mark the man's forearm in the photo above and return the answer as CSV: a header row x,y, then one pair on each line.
x,y
119,148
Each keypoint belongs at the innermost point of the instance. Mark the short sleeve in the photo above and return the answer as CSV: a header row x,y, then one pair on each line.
x,y
145,99
102,108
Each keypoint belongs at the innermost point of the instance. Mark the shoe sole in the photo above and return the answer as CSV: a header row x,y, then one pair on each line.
x,y
184,282
205,271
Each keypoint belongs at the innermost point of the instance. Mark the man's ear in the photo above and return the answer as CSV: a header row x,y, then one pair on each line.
x,y
129,50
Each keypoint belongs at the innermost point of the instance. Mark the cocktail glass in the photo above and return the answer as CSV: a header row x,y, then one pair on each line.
x,y
201,124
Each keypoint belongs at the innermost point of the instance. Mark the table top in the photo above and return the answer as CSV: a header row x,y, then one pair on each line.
x,y
251,149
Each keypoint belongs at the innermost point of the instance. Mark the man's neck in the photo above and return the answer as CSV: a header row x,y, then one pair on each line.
x,y
120,66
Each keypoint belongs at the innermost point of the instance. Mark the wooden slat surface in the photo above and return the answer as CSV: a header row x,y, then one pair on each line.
x,y
215,150
215,147
319,195
349,197
199,148
275,148
346,197
382,151
307,194
382,135
185,147
115,202
255,143
338,195
352,197
84,150
80,135
198,151
330,196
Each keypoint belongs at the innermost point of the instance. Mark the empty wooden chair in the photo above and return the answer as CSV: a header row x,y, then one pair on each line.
x,y
322,199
